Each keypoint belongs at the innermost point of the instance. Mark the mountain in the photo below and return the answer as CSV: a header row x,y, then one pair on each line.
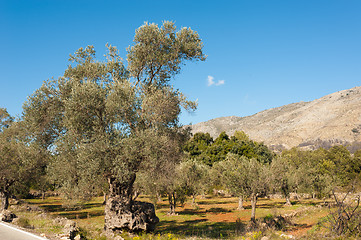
x,y
332,119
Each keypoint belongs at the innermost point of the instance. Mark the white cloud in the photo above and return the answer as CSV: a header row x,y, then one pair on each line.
x,y
220,82
212,82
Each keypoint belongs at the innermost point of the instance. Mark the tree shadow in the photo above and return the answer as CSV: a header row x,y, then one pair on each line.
x,y
61,208
77,211
218,210
296,227
53,207
200,212
270,205
82,215
160,205
198,228
214,202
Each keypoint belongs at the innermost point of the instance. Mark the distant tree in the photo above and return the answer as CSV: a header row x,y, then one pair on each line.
x,y
204,149
43,127
263,153
310,174
243,148
232,176
283,177
241,136
257,182
198,144
244,178
357,162
193,178
223,138
344,168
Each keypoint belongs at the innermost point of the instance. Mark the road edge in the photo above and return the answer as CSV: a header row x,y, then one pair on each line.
x,y
22,231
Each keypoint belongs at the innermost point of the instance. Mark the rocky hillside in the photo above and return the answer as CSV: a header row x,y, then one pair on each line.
x,y
335,118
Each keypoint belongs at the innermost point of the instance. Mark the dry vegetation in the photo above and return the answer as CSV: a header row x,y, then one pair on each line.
x,y
211,218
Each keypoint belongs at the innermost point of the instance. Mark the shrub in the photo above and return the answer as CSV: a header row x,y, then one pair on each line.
x,y
345,220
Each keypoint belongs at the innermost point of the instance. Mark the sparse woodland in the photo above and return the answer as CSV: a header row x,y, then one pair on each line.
x,y
111,128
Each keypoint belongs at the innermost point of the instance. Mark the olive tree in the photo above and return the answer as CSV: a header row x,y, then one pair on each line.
x,y
283,177
245,178
108,122
8,159
17,159
164,177
231,174
193,177
257,178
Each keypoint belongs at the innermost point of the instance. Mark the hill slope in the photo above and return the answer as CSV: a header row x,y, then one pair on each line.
x,y
335,118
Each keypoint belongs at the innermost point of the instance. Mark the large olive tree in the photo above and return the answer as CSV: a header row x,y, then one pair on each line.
x,y
104,121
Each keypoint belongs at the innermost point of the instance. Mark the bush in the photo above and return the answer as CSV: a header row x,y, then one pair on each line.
x,y
23,222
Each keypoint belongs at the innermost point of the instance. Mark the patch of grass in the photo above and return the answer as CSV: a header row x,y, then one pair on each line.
x,y
23,222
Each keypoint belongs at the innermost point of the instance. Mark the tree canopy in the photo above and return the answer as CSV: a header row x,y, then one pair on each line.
x,y
203,148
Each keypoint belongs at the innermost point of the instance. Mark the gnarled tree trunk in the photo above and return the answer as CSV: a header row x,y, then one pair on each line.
x,y
4,200
253,204
288,201
172,203
240,203
4,196
123,213
104,198
194,200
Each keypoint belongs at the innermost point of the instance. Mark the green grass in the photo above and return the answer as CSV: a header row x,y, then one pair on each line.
x,y
213,218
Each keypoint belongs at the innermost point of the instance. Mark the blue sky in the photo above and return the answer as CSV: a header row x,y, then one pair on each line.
x,y
261,54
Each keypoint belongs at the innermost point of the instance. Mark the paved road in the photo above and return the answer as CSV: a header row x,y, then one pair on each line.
x,y
8,232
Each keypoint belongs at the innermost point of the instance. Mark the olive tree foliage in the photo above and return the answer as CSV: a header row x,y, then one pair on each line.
x,y
193,177
230,173
5,119
257,178
204,149
283,177
159,53
166,182
318,172
17,160
8,159
244,178
104,122
344,168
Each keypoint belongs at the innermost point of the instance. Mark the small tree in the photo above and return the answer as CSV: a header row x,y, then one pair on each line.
x,y
257,182
345,217
282,175
193,178
345,168
245,178
309,171
162,177
232,176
